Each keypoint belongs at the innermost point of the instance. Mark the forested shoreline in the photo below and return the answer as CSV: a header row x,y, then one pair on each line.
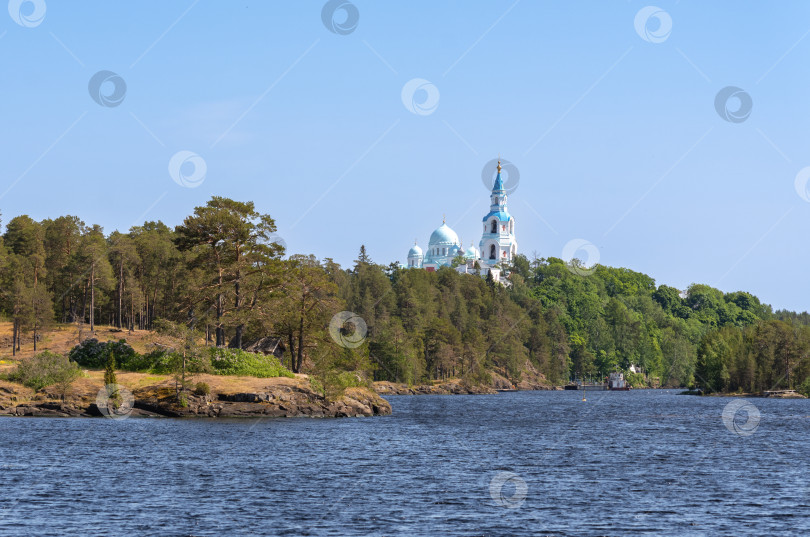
x,y
222,274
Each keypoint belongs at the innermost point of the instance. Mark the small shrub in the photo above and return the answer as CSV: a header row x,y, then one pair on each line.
x,y
46,369
804,388
236,362
202,388
148,362
336,382
124,353
160,362
317,386
182,400
93,354
89,353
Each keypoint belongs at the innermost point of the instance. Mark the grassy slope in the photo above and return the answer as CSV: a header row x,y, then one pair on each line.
x,y
61,338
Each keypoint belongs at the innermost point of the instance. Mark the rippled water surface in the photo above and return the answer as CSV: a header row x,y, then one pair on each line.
x,y
528,463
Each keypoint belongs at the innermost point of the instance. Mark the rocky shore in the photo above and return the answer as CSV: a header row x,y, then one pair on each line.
x,y
531,379
277,402
446,388
279,398
456,387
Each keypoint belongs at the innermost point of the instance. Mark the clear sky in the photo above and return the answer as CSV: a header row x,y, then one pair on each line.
x,y
611,122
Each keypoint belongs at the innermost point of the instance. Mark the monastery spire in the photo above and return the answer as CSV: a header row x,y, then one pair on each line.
x,y
498,186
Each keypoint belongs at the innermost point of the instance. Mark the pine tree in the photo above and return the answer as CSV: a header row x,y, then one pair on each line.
x,y
109,370
363,257
229,244
111,383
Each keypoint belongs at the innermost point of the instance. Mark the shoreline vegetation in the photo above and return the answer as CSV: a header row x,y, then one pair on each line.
x,y
217,297
280,395
154,394
243,397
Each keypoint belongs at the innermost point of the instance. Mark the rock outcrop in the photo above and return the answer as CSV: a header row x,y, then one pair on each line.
x,y
453,387
278,400
531,379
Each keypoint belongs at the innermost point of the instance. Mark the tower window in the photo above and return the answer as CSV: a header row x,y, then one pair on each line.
x,y
492,251
494,226
444,251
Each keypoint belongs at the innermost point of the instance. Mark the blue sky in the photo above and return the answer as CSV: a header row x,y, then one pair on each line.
x,y
616,137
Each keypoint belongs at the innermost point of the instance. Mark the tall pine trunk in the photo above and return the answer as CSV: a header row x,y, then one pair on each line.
x,y
300,340
92,296
84,304
238,302
220,330
36,317
291,344
120,292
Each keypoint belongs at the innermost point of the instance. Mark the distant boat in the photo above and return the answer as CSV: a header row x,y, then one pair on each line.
x,y
586,386
617,382
614,382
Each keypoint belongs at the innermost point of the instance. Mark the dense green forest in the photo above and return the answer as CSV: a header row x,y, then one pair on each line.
x,y
221,274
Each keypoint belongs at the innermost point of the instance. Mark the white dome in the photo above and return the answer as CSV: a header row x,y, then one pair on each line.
x,y
443,236
415,251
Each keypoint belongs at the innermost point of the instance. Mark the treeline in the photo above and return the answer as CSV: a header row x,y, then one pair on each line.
x,y
221,274
770,355
565,322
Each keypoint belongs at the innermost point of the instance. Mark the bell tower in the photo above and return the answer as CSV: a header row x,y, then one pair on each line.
x,y
498,244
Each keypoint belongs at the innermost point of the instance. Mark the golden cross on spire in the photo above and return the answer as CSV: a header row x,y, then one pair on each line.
x,y
444,218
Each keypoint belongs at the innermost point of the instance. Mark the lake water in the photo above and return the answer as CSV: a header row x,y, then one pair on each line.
x,y
526,463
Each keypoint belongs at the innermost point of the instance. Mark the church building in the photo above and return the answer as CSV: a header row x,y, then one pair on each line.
x,y
496,249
